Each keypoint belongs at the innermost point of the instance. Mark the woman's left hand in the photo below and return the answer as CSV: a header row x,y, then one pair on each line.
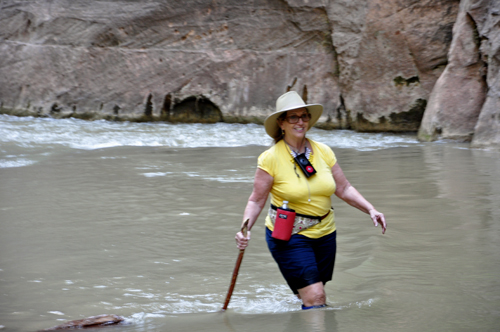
x,y
378,218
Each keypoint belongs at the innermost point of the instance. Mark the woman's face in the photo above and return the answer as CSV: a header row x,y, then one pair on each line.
x,y
295,130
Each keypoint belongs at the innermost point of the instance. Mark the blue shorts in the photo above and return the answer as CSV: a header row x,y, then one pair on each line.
x,y
304,261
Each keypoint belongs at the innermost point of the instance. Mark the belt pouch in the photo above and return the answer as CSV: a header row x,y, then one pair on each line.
x,y
283,224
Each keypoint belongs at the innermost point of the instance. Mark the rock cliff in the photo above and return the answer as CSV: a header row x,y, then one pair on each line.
x,y
465,101
390,55
175,60
373,64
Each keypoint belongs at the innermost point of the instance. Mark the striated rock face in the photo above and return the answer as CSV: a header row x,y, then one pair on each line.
x,y
373,64
130,59
458,96
487,130
390,55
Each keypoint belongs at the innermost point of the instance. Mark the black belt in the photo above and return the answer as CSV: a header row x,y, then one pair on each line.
x,y
274,207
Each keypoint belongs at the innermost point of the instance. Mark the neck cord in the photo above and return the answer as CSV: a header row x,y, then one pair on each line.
x,y
294,154
307,153
298,151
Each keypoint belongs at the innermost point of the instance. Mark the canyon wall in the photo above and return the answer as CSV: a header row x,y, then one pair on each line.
x,y
375,65
179,60
465,101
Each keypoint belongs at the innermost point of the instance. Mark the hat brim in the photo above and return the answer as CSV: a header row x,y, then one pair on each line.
x,y
271,123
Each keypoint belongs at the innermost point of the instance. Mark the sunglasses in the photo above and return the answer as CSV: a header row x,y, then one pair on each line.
x,y
295,118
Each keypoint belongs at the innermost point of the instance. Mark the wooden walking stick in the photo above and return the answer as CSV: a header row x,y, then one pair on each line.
x,y
236,267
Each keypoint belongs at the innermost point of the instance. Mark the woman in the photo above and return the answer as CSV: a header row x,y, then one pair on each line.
x,y
307,259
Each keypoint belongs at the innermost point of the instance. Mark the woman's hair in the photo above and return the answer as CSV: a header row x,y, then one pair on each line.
x,y
280,134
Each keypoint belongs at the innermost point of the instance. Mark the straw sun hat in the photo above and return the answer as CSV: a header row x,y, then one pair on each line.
x,y
288,102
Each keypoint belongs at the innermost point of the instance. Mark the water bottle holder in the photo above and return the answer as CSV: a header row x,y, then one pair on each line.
x,y
301,222
283,224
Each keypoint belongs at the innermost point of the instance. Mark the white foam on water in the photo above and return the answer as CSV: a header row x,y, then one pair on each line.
x,y
228,179
21,162
271,299
156,174
33,137
90,135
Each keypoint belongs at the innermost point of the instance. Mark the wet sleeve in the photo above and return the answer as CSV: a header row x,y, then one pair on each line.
x,y
265,163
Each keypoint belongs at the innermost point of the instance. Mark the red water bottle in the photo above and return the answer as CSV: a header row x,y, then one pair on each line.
x,y
283,225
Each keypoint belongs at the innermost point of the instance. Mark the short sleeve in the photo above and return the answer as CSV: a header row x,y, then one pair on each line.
x,y
328,154
266,162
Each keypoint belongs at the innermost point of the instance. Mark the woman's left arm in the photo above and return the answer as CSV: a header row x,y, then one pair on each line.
x,y
351,196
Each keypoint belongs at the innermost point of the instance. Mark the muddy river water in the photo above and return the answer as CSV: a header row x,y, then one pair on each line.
x,y
138,220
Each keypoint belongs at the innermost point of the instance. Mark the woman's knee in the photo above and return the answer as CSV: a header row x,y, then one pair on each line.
x,y
319,297
313,295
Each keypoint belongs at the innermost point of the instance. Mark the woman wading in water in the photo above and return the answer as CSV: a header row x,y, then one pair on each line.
x,y
303,174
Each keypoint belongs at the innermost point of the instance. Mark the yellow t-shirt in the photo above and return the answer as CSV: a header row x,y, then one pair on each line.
x,y
279,163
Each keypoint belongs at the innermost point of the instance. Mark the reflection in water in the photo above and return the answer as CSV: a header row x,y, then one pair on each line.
x,y
145,230
313,320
